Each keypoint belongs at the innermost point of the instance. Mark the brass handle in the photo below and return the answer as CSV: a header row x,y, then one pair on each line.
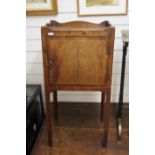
x,y
50,63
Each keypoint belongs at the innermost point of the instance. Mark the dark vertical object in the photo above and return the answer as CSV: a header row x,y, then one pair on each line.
x,y
55,104
120,106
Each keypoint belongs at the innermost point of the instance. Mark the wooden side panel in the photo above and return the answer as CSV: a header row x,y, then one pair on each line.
x,y
77,60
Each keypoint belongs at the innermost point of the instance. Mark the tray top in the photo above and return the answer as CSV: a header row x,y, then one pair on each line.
x,y
79,28
78,25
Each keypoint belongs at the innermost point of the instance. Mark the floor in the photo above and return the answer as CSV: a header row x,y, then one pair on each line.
x,y
79,131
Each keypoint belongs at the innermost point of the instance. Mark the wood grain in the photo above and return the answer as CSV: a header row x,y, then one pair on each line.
x,y
77,66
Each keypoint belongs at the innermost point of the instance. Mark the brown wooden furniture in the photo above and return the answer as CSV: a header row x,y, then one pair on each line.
x,y
78,56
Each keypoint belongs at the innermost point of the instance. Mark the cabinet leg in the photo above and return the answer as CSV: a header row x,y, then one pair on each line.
x,y
55,104
49,118
102,106
106,118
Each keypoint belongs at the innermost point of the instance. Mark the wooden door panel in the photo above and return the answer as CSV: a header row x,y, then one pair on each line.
x,y
77,60
65,63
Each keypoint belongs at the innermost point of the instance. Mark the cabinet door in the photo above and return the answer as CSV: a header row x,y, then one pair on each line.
x,y
77,60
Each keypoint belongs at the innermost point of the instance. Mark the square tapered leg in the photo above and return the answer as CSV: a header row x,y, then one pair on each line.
x,y
106,118
55,104
102,105
49,117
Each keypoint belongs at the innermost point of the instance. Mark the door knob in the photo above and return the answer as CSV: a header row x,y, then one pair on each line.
x,y
50,63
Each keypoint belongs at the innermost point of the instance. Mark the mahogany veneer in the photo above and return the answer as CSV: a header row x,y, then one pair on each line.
x,y
78,56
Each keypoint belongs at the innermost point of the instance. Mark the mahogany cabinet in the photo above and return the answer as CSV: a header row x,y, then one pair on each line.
x,y
77,56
